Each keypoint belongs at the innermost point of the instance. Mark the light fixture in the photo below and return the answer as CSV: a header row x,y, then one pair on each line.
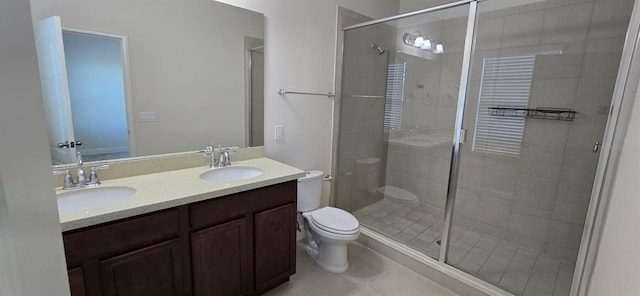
x,y
419,41
423,43
426,45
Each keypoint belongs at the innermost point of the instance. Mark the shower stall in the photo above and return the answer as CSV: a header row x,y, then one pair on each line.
x,y
471,132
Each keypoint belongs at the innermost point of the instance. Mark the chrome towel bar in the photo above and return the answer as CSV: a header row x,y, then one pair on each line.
x,y
283,92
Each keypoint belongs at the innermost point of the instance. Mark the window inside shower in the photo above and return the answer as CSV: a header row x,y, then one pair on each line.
x,y
536,100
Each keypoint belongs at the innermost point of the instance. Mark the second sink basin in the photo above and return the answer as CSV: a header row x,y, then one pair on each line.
x,y
231,173
92,198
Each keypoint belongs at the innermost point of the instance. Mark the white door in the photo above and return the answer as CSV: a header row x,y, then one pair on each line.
x,y
55,89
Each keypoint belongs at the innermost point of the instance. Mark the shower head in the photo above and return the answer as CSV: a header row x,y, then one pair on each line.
x,y
377,48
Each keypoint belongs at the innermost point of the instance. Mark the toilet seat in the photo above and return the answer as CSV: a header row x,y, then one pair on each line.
x,y
334,220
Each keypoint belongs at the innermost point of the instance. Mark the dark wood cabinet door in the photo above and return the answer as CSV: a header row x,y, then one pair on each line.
x,y
220,259
154,270
76,282
274,239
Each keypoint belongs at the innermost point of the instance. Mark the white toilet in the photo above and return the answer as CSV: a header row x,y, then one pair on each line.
x,y
328,229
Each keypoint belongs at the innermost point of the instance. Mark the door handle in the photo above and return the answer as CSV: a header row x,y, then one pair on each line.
x,y
68,144
596,147
463,136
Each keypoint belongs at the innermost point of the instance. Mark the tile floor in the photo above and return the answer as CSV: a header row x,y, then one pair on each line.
x,y
369,274
511,267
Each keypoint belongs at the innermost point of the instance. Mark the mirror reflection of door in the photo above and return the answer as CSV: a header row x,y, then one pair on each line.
x,y
257,97
55,89
94,65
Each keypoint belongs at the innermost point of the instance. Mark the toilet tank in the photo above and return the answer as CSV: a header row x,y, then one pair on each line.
x,y
310,191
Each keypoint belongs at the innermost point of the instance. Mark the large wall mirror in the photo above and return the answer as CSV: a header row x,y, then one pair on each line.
x,y
128,78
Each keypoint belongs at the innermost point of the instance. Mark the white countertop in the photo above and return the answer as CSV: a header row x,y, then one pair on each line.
x,y
170,189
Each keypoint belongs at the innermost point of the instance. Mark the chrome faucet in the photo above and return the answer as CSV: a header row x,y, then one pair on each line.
x,y
222,160
82,180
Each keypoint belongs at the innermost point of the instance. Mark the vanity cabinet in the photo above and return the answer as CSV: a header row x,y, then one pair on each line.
x,y
274,261
220,259
239,244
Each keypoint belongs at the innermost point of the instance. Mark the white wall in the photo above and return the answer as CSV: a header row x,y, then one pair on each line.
x,y
300,49
617,266
186,64
31,253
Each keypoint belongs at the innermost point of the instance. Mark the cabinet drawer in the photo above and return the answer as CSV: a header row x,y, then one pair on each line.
x,y
120,236
233,206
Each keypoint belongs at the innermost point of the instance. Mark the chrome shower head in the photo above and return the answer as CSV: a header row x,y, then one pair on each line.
x,y
377,48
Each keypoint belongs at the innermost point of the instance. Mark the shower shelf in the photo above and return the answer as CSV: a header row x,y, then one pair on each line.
x,y
565,114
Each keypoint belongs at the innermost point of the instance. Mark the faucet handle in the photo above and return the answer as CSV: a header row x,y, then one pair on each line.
x,y
68,180
93,179
225,159
208,149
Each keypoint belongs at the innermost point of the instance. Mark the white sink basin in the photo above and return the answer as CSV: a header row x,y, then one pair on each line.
x,y
232,173
91,198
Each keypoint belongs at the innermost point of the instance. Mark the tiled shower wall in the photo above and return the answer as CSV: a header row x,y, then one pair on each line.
x,y
362,119
429,107
539,200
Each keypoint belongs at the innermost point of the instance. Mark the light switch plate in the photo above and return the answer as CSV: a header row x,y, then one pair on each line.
x,y
148,116
279,133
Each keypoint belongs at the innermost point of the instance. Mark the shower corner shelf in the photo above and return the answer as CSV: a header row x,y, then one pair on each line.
x,y
565,114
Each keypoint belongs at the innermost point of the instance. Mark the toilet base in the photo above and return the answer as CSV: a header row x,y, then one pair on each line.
x,y
330,257
328,249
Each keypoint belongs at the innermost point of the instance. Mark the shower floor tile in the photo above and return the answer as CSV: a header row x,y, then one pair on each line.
x,y
507,265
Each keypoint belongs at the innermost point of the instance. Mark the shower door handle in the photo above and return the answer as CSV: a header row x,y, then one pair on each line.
x,y
463,135
596,147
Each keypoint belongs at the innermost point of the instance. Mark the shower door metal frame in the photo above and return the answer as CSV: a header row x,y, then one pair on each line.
x,y
608,160
454,170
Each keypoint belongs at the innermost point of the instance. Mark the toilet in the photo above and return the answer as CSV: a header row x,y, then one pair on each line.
x,y
328,229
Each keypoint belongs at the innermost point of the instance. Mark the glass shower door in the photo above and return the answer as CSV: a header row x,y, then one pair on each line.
x,y
537,105
400,86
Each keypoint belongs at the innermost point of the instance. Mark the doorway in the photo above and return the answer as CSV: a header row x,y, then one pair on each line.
x,y
86,92
95,73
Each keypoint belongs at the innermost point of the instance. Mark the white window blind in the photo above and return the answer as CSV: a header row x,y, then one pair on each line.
x,y
395,95
506,82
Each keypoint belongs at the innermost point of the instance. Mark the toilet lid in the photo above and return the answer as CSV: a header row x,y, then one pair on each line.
x,y
335,220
